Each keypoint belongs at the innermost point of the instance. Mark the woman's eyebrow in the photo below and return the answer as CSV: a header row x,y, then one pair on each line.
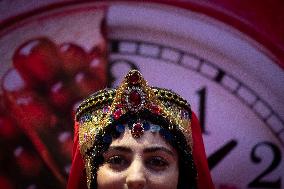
x,y
120,148
158,148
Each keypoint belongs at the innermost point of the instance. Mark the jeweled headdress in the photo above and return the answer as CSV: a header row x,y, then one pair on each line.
x,y
133,97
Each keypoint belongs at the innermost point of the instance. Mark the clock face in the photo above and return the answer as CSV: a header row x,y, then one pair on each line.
x,y
241,118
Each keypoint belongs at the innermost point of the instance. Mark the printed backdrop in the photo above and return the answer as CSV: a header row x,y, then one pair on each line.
x,y
57,54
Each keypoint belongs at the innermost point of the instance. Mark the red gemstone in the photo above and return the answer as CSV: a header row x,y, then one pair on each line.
x,y
134,78
117,114
155,109
119,106
137,130
123,100
135,98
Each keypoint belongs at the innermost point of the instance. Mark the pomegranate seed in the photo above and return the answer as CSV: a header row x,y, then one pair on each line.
x,y
61,96
29,163
6,183
98,65
74,58
86,83
8,129
66,143
37,61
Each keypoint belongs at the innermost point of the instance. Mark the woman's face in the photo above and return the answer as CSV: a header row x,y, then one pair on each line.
x,y
147,162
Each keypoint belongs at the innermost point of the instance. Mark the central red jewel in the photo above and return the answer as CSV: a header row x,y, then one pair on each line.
x,y
137,130
135,98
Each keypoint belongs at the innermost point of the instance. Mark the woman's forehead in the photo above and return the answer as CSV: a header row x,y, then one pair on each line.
x,y
147,140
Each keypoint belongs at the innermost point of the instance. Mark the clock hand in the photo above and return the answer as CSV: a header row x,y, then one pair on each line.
x,y
221,153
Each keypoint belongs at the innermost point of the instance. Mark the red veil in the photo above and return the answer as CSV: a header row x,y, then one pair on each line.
x,y
77,177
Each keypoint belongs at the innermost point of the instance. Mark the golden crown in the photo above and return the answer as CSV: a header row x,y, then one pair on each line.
x,y
134,95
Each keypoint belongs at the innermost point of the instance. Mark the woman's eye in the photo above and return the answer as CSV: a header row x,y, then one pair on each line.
x,y
157,163
117,162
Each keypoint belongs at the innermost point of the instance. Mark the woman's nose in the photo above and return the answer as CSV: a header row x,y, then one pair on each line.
x,y
136,177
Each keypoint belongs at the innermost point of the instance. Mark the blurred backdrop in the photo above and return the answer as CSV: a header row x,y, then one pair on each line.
x,y
225,57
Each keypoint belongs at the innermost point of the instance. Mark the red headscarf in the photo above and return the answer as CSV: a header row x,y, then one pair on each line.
x,y
77,177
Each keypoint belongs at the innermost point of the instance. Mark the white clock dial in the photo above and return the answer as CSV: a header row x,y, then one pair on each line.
x,y
242,120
